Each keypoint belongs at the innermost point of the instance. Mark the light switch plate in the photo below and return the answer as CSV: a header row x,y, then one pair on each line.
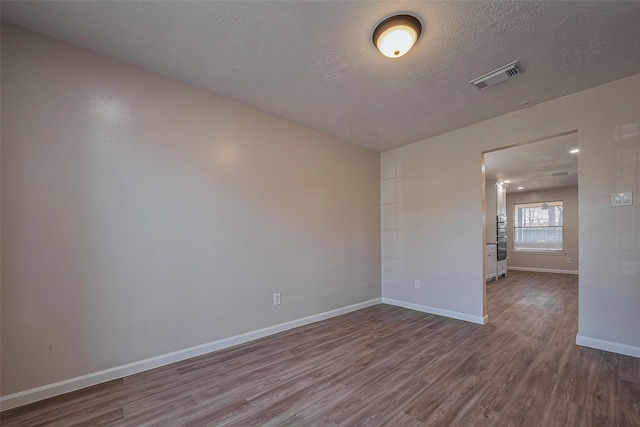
x,y
622,199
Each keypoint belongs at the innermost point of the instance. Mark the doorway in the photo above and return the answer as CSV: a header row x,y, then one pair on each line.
x,y
531,204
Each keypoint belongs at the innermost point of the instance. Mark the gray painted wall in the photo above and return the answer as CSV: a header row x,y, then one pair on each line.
x,y
141,216
438,218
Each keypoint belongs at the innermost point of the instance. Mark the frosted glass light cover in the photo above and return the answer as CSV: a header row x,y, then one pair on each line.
x,y
396,35
396,41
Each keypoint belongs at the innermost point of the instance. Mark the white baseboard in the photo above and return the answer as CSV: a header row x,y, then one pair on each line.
x,y
50,390
542,270
439,311
613,347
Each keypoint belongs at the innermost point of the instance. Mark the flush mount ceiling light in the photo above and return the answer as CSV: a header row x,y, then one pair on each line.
x,y
396,35
575,151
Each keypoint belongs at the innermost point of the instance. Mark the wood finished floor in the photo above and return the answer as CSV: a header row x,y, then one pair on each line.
x,y
384,366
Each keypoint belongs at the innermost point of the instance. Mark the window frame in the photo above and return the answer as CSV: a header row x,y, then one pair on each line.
x,y
542,251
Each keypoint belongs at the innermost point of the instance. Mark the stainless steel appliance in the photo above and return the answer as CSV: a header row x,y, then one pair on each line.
x,y
501,232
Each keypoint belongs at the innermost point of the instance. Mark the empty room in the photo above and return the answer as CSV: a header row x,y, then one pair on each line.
x,y
305,213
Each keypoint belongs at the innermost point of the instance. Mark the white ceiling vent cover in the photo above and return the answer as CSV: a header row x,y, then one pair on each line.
x,y
498,76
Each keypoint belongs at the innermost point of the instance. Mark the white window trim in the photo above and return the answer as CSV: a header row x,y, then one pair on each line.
x,y
534,251
530,252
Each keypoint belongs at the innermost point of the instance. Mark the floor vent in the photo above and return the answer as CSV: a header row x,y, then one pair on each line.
x,y
498,76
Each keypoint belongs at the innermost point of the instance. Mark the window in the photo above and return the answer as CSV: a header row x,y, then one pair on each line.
x,y
537,227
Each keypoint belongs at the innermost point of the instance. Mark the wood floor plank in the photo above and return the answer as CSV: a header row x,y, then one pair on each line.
x,y
629,395
383,366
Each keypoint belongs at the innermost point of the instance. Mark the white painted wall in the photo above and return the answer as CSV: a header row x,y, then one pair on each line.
x,y
434,226
141,216
557,262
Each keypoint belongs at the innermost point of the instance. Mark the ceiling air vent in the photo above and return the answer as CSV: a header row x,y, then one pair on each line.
x,y
560,173
498,76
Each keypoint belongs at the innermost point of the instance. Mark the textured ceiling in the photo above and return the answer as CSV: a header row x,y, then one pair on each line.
x,y
313,62
531,165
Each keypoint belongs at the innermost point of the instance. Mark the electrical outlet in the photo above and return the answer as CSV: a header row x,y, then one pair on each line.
x,y
569,260
276,299
416,284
